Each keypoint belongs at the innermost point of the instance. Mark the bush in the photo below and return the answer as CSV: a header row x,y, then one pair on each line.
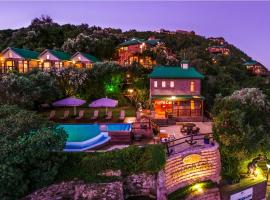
x,y
26,143
133,159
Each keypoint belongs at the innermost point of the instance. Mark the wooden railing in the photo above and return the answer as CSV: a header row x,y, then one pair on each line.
x,y
180,144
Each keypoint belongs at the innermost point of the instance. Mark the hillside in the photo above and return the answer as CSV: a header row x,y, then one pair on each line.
x,y
224,73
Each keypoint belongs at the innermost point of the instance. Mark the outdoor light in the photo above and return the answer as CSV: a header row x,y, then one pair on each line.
x,y
128,75
173,97
130,90
268,167
73,61
198,187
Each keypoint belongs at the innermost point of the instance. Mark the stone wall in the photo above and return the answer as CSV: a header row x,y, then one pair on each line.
x,y
195,165
78,190
210,194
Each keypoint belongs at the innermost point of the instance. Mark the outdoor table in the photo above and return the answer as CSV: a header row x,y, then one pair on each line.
x,y
189,128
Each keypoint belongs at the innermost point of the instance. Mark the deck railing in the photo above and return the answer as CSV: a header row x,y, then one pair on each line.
x,y
177,145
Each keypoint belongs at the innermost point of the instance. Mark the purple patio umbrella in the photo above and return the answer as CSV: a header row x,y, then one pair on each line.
x,y
69,102
104,102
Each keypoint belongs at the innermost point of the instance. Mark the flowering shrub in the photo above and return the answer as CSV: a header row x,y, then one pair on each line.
x,y
250,96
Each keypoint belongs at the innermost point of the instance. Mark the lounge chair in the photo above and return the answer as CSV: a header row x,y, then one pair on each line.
x,y
52,115
95,116
122,115
109,115
66,115
81,115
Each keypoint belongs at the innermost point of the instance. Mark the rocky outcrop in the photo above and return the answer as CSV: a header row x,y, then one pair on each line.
x,y
78,190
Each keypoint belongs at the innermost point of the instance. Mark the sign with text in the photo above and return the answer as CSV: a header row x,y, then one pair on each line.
x,y
243,195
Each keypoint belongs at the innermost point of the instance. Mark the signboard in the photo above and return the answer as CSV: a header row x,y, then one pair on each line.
x,y
243,195
192,158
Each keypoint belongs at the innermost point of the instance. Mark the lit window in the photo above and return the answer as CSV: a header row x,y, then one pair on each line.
x,y
10,55
79,58
155,84
192,86
172,84
48,56
192,105
163,84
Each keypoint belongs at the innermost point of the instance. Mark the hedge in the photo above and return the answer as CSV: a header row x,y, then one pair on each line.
x,y
131,160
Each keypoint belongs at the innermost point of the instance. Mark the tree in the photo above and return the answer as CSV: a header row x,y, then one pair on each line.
x,y
241,128
28,90
27,141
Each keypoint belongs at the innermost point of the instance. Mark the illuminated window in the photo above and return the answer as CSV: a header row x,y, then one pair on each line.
x,y
79,58
163,84
10,54
48,56
155,84
172,84
192,105
192,86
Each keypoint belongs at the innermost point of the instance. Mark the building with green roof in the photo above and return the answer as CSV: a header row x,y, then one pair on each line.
x,y
18,59
83,60
175,91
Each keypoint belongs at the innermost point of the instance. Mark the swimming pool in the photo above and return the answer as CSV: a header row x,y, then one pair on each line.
x,y
86,136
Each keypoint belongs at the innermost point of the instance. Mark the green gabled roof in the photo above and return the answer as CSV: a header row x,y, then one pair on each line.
x,y
152,42
175,72
252,62
25,53
131,42
90,57
176,97
60,55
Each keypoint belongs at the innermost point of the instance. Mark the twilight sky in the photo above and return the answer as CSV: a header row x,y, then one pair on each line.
x,y
244,24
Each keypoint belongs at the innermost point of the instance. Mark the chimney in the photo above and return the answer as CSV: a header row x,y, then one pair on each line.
x,y
184,64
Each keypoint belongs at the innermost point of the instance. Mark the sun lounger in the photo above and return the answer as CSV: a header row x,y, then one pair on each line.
x,y
122,115
109,115
81,115
66,114
95,116
52,115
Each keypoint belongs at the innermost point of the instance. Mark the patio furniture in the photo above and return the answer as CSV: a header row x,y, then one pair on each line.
x,y
109,115
188,127
52,115
104,102
122,115
81,115
69,102
66,115
95,116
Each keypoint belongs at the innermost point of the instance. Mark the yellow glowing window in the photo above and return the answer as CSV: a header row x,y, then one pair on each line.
x,y
192,105
192,86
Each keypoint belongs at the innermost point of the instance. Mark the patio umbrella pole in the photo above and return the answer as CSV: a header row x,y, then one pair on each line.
x,y
74,110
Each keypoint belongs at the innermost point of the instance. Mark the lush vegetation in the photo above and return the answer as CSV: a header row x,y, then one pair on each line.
x,y
189,189
26,143
241,126
130,160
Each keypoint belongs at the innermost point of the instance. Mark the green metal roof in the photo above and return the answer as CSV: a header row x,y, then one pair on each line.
x,y
175,72
132,42
90,57
252,62
25,53
176,97
152,42
60,55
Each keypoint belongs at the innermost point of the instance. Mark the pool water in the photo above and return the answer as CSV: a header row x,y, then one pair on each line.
x,y
83,137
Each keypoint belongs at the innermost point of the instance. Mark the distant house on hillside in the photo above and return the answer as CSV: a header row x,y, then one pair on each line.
x,y
256,68
51,59
137,50
83,60
185,32
176,91
218,40
21,60
219,50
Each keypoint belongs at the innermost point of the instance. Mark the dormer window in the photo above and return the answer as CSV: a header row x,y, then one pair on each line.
x,y
163,84
172,84
155,84
192,86
185,64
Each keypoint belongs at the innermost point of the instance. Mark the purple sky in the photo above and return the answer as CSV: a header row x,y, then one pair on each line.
x,y
244,24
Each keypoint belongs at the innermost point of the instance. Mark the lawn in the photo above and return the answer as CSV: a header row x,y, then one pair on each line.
x,y
129,111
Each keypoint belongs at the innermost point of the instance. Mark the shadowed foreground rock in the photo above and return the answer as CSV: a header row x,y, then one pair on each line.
x,y
78,190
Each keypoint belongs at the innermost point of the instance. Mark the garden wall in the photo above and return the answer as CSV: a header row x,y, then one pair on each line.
x,y
195,165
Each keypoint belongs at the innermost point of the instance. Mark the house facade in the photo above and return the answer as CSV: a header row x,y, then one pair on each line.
x,y
83,60
51,59
176,91
137,50
256,68
21,60
219,50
